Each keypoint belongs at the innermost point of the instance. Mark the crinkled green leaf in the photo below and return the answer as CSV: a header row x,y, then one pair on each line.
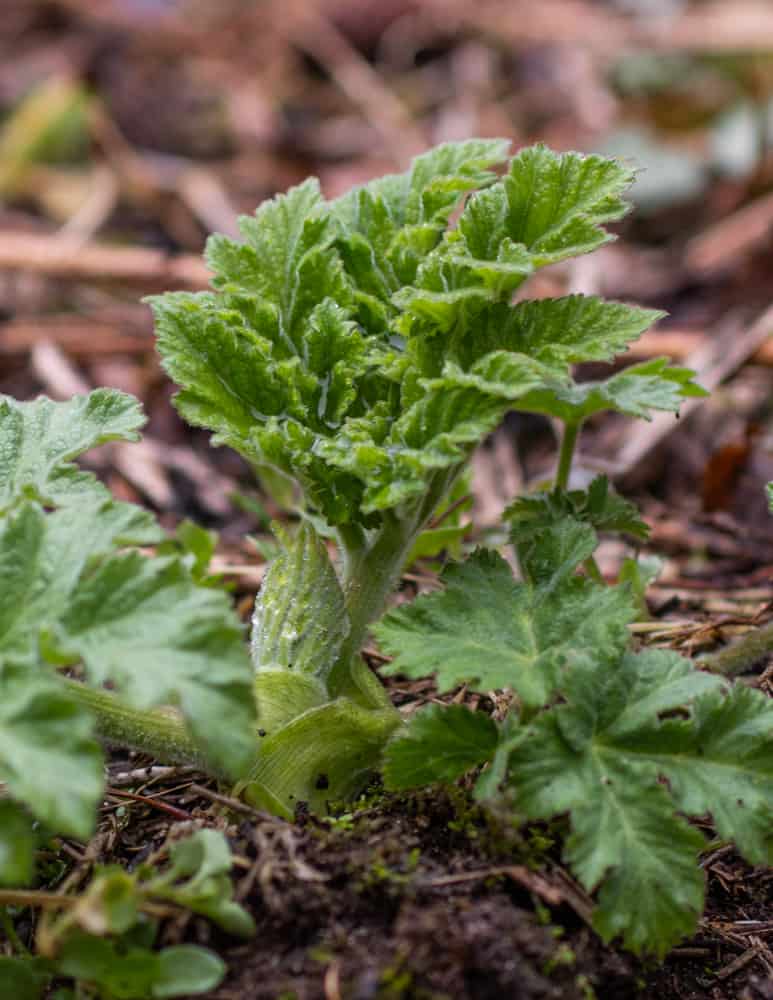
x,y
555,204
769,491
361,347
547,527
602,756
635,391
48,758
284,263
300,620
39,439
597,506
440,743
491,632
198,878
17,843
434,434
427,193
556,332
143,624
449,416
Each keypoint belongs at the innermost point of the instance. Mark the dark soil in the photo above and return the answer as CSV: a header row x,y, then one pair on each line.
x,y
425,897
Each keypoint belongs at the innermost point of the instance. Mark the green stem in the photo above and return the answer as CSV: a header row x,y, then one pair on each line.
x,y
568,442
741,654
156,733
366,591
376,571
353,544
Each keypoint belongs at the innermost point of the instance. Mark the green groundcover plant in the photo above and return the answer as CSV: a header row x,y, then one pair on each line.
x,y
361,348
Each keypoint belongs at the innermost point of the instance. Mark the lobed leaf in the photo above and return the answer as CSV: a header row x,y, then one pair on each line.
x,y
143,624
603,756
550,529
440,743
597,506
486,630
39,439
556,204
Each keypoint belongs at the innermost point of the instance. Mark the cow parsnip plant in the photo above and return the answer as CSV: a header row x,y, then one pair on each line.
x,y
361,348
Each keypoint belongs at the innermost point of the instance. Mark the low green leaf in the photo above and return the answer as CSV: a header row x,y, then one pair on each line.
x,y
48,758
603,510
440,743
39,439
198,878
133,973
720,761
160,639
17,844
23,978
601,757
141,623
491,632
185,970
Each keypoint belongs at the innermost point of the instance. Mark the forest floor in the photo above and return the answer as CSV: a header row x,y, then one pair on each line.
x,y
132,128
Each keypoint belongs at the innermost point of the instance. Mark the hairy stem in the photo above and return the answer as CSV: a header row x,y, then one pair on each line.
x,y
156,733
741,654
373,573
353,544
568,442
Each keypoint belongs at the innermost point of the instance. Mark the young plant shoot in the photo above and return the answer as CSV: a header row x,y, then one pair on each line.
x,y
362,348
